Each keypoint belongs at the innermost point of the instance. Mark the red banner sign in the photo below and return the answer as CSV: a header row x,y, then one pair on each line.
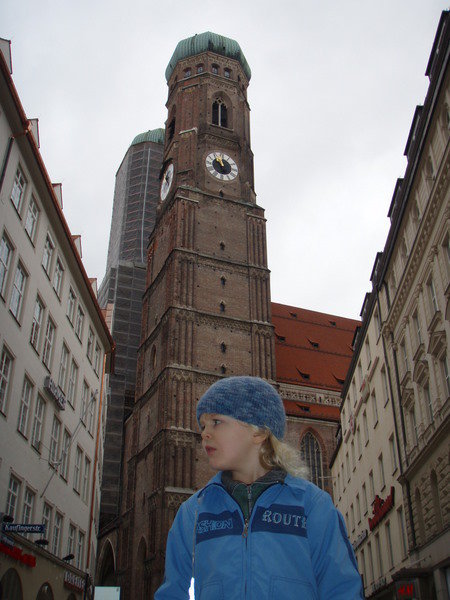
x,y
380,509
16,553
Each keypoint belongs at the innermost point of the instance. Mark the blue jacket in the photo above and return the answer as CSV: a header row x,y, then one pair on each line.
x,y
295,546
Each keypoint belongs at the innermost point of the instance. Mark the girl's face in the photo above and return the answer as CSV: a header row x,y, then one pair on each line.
x,y
232,446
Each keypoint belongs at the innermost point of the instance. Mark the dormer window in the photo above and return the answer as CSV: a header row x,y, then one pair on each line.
x,y
215,69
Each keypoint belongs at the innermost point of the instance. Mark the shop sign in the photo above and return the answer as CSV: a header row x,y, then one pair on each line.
x,y
16,553
23,528
405,590
359,540
73,582
380,509
55,392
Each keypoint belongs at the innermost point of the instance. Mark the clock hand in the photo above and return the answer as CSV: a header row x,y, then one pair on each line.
x,y
219,160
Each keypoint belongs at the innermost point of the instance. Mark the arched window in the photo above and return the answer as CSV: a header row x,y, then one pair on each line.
x,y
312,456
11,586
45,592
436,503
219,113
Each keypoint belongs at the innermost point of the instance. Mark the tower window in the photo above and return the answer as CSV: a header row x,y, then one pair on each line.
x,y
222,245
171,129
200,69
222,307
187,73
223,347
227,73
219,113
223,281
223,369
215,69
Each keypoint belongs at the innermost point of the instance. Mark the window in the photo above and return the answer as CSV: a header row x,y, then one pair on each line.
x,y
432,295
53,456
96,358
360,373
13,495
32,219
80,550
215,69
219,113
358,509
381,470
71,305
47,256
63,365
77,469
71,540
37,323
401,528
428,402
222,307
199,68
18,190
371,485
312,455
84,402
187,73
417,328
18,290
364,497
374,410
436,501
56,533
92,407
27,391
413,424
347,465
352,448
36,435
65,454
5,376
379,555
227,73
58,277
366,428
79,322
90,345
358,442
28,506
5,261
368,353
86,477
393,453
46,519
73,379
48,343
352,517
370,557
389,545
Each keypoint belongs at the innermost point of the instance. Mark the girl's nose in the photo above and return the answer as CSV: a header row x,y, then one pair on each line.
x,y
205,434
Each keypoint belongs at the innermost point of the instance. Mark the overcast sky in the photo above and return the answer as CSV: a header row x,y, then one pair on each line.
x,y
333,91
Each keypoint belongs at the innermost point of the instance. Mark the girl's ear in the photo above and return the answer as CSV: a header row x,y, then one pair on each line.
x,y
260,436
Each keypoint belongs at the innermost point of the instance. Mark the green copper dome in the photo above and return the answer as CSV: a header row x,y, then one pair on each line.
x,y
153,135
204,42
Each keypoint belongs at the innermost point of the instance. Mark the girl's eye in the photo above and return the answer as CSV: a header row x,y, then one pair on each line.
x,y
216,421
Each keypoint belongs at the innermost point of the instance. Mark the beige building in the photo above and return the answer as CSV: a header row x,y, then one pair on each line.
x,y
395,412
54,350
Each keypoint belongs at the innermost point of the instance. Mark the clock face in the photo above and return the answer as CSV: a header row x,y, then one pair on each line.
x,y
221,166
166,182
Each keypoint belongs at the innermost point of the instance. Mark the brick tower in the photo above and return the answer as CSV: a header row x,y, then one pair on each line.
x,y
206,308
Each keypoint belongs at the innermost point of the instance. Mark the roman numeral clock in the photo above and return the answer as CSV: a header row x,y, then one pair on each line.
x,y
221,166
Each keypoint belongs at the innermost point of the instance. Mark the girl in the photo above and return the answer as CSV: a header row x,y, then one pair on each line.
x,y
258,530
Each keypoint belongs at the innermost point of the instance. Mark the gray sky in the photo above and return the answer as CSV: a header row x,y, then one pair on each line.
x,y
333,91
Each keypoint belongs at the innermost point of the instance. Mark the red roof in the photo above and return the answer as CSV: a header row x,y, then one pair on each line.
x,y
322,412
312,349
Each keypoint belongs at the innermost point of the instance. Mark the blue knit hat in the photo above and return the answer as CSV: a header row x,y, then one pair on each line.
x,y
248,399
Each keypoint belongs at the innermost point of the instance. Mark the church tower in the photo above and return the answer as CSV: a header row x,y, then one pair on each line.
x,y
206,307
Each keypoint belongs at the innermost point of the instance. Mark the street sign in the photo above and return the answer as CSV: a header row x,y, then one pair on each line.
x,y
23,528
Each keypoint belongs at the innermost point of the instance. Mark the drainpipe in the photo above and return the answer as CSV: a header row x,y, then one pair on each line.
x,y
6,161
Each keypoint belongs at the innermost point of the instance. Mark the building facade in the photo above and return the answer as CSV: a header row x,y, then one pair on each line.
x,y
133,218
406,329
55,348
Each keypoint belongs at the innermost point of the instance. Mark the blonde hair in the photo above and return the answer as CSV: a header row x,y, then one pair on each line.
x,y
275,454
